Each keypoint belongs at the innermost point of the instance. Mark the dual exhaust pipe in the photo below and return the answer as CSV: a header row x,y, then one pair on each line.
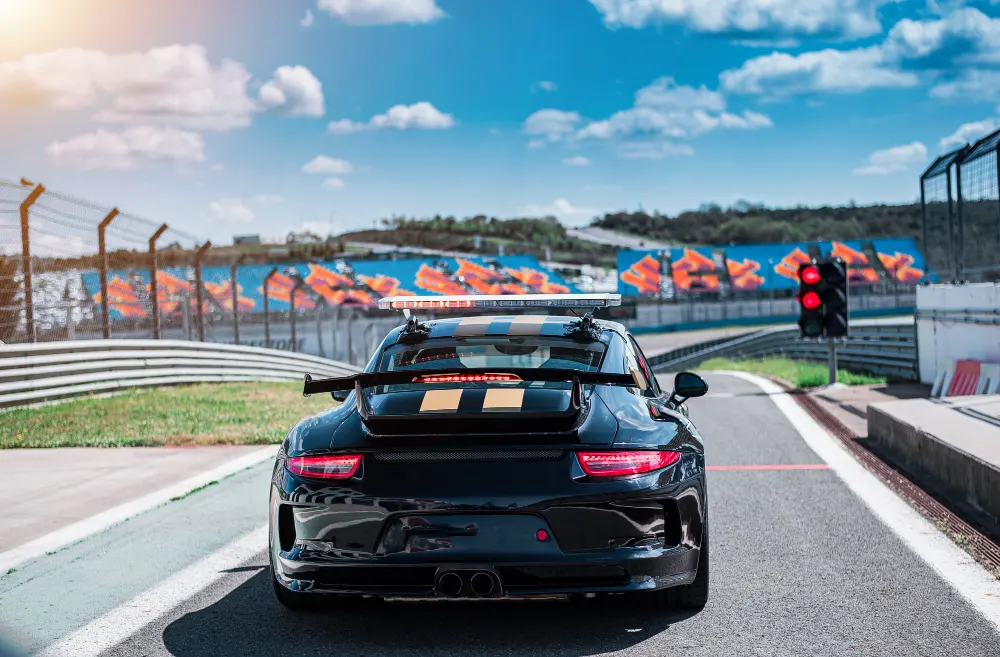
x,y
480,584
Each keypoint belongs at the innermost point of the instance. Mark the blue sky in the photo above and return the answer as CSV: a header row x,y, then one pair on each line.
x,y
263,116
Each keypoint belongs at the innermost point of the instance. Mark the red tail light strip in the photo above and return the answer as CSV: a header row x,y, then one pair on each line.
x,y
618,464
340,466
466,378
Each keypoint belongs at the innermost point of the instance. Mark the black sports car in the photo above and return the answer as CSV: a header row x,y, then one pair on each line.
x,y
498,456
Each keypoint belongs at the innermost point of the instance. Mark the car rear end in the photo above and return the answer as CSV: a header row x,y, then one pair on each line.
x,y
468,481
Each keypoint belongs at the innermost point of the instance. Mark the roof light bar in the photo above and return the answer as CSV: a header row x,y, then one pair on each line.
x,y
502,301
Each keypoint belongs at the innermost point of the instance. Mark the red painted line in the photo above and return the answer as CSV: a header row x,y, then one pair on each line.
x,y
809,466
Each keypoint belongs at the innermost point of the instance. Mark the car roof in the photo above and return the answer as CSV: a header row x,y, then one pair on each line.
x,y
483,326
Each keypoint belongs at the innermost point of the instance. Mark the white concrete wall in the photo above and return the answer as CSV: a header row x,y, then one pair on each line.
x,y
942,340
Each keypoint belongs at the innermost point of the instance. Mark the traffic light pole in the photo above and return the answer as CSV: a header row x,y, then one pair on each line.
x,y
833,361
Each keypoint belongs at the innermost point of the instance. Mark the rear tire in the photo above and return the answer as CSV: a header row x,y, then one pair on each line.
x,y
695,594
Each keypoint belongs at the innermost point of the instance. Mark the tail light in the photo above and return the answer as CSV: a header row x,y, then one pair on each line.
x,y
340,466
466,378
617,464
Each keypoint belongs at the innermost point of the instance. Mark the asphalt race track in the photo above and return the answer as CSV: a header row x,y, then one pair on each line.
x,y
800,566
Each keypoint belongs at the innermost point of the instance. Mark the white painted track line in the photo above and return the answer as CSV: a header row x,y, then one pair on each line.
x,y
122,622
106,519
950,562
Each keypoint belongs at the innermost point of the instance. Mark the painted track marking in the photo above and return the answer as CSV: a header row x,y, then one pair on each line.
x,y
106,519
950,562
112,628
807,466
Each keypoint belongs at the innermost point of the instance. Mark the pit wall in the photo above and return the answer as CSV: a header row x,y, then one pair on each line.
x,y
956,322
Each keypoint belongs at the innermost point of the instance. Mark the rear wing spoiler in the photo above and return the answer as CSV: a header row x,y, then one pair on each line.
x,y
358,382
374,379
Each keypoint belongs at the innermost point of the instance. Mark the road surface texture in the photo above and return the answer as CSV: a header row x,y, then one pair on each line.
x,y
655,344
610,237
801,565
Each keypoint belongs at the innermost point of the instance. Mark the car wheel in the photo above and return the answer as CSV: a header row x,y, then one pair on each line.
x,y
695,594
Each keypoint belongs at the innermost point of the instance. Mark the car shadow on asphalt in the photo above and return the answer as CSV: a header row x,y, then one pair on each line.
x,y
250,621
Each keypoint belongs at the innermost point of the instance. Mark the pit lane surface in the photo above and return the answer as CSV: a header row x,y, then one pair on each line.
x,y
800,566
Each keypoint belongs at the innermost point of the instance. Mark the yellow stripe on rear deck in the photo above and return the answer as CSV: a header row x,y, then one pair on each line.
x,y
441,401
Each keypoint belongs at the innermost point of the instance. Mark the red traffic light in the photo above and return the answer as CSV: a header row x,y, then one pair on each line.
x,y
811,301
810,275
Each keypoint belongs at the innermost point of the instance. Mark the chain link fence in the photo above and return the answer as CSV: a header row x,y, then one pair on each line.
x,y
938,200
978,230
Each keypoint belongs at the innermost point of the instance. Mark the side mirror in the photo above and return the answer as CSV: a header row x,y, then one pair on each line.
x,y
688,385
340,395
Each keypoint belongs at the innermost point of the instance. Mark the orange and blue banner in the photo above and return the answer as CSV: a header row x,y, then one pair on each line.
x,y
764,266
352,283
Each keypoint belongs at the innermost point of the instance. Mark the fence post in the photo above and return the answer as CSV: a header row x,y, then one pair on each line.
x,y
350,338
29,302
291,315
952,262
267,307
233,270
923,227
154,291
960,259
335,346
102,250
198,295
320,307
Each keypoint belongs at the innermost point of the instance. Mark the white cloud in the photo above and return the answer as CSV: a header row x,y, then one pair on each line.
x,y
419,116
308,19
577,161
665,93
835,18
230,209
334,184
965,36
545,85
968,133
552,124
382,12
327,166
946,51
894,160
168,86
666,109
975,83
239,209
345,127
560,208
661,110
536,144
139,147
295,90
653,150
781,74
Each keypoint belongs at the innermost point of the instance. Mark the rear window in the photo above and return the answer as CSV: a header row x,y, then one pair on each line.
x,y
494,353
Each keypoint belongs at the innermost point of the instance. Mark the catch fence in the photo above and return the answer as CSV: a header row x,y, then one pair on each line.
x,y
960,201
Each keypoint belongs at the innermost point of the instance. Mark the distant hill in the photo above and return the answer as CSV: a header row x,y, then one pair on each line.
x,y
757,224
517,236
744,223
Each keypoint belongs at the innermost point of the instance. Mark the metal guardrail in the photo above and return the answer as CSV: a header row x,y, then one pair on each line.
x,y
36,373
882,347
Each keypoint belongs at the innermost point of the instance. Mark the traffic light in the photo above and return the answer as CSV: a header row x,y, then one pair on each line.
x,y
811,318
834,295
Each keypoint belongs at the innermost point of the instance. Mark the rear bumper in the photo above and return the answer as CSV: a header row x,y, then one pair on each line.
x,y
642,533
633,569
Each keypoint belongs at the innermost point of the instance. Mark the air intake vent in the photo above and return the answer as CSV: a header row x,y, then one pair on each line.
x,y
478,455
